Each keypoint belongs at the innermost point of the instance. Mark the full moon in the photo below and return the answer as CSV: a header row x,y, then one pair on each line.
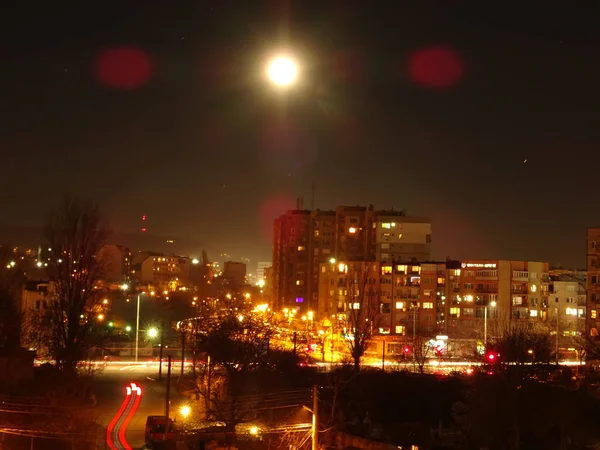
x,y
282,71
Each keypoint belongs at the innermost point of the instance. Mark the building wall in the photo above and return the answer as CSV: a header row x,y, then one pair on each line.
x,y
235,273
593,281
303,240
117,263
161,271
566,300
399,238
512,292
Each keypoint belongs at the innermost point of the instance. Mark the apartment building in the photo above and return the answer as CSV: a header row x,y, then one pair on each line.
x,y
398,238
303,240
593,282
165,272
116,260
487,295
567,306
409,298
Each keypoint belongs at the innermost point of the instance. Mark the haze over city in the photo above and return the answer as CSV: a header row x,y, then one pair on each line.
x,y
498,146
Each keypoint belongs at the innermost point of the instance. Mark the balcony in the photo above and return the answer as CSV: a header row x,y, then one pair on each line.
x,y
492,290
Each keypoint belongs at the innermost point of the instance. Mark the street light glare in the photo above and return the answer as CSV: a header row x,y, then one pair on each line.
x,y
282,71
185,411
152,332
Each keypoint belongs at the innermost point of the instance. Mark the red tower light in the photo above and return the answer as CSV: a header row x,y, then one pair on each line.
x,y
491,357
406,349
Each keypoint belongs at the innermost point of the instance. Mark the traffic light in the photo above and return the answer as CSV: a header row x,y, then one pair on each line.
x,y
491,357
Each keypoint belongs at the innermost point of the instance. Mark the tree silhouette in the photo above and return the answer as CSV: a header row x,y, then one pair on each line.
x,y
362,309
75,232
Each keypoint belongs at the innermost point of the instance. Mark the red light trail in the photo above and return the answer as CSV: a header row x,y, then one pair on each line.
x,y
115,432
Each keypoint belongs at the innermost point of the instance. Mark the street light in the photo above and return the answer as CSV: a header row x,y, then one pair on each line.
x,y
152,332
282,71
485,317
185,411
137,326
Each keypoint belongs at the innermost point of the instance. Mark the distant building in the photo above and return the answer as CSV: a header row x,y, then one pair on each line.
x,y
35,296
117,262
165,272
303,240
260,270
234,273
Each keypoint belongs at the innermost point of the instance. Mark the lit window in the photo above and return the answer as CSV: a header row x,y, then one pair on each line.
x,y
455,312
386,270
427,305
571,311
400,329
593,314
399,305
355,306
533,312
300,248
402,268
299,282
386,225
351,230
456,272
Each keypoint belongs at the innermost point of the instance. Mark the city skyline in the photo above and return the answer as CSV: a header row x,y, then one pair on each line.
x,y
209,152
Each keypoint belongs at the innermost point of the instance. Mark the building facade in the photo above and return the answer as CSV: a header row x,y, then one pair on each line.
x,y
165,272
303,240
116,260
593,282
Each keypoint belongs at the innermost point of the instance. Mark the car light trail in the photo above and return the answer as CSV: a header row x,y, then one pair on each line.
x,y
115,432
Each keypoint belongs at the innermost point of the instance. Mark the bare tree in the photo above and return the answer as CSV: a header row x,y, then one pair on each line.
x,y
422,351
75,232
362,309
11,281
238,349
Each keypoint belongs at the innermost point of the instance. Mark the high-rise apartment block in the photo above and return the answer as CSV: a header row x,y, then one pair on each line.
x,y
303,240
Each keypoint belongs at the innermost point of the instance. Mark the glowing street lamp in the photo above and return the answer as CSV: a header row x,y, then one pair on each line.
x,y
152,332
282,71
185,411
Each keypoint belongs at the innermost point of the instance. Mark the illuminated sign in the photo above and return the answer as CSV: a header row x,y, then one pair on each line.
x,y
479,265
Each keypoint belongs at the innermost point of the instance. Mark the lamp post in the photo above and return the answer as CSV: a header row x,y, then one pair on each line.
x,y
485,318
137,326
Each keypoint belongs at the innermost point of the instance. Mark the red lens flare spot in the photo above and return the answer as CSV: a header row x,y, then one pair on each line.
x,y
269,211
436,67
123,68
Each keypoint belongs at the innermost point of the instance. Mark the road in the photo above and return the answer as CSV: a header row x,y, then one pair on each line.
x,y
110,390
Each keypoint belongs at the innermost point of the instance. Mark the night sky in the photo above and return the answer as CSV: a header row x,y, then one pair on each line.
x,y
484,118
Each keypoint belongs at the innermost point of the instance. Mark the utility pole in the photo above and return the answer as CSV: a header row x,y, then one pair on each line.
x,y
415,331
160,351
383,356
182,351
557,330
315,419
208,384
485,327
295,341
168,397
